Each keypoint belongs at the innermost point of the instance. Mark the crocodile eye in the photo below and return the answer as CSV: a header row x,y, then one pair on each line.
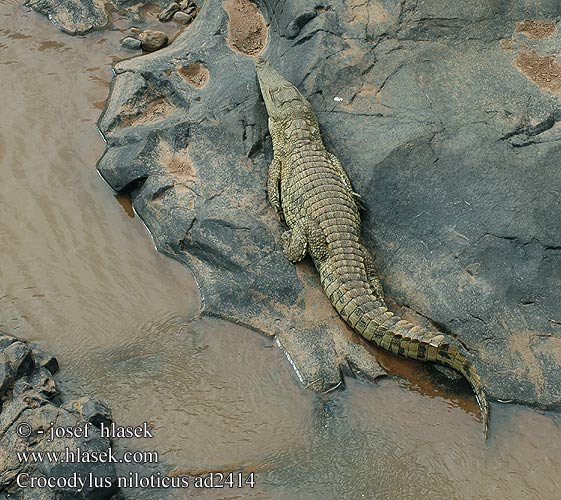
x,y
273,91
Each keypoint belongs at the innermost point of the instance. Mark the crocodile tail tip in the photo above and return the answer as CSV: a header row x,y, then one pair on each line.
x,y
458,360
484,406
475,382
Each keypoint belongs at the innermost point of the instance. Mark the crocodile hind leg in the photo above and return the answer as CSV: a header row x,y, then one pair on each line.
x,y
317,245
304,236
294,243
371,275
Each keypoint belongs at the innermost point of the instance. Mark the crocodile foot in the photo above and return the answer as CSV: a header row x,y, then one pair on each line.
x,y
323,357
294,245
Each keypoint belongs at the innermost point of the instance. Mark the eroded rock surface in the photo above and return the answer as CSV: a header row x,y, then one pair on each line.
x,y
28,395
449,132
74,17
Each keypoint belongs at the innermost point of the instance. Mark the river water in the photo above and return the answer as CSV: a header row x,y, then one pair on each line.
x,y
79,275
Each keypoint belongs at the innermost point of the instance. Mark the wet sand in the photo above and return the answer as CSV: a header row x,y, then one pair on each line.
x,y
80,276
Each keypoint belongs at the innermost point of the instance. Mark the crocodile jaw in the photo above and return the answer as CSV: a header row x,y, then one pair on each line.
x,y
282,99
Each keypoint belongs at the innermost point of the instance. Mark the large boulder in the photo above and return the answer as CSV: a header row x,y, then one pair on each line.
x,y
74,17
446,117
30,405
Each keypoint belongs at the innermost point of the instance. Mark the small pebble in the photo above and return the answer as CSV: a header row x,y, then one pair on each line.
x,y
168,12
153,40
131,43
182,18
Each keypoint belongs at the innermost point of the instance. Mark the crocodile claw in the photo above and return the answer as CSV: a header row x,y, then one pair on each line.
x,y
358,200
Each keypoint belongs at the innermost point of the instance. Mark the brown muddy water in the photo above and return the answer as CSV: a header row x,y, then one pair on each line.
x,y
81,277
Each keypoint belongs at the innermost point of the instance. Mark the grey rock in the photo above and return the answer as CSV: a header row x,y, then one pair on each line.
x,y
92,410
74,17
19,358
40,380
29,395
131,43
6,340
15,360
45,360
193,201
153,40
450,137
168,12
77,17
6,377
183,18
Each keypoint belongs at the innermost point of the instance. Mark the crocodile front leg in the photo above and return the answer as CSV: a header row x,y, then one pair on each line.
x,y
273,182
345,178
340,170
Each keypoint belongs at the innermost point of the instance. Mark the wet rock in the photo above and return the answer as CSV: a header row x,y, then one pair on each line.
x,y
153,40
448,126
30,400
77,17
74,17
43,359
131,43
182,18
93,411
168,12
6,340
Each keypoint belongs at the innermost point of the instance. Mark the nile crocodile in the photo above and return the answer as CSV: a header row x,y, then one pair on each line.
x,y
313,194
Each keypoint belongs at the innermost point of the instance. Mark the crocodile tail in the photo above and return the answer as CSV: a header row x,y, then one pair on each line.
x,y
414,342
370,317
467,369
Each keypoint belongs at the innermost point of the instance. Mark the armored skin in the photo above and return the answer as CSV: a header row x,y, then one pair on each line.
x,y
313,194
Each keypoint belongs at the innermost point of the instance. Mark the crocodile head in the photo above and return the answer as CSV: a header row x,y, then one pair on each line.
x,y
282,99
